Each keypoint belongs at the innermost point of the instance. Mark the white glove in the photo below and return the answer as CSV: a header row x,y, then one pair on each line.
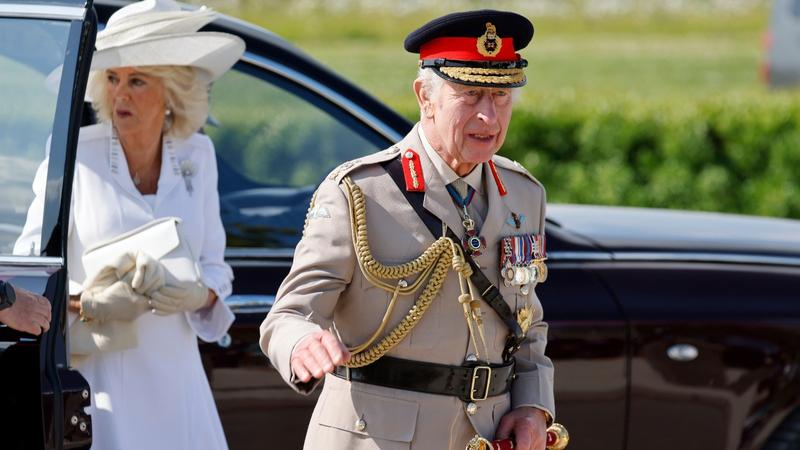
x,y
178,297
121,268
116,302
149,276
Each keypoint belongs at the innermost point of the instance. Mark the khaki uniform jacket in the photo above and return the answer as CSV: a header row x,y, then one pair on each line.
x,y
325,289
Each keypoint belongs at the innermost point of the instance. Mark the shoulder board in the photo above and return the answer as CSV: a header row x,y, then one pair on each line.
x,y
345,168
505,163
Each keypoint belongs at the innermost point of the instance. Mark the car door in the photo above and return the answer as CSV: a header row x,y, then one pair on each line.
x,y
588,342
45,52
714,347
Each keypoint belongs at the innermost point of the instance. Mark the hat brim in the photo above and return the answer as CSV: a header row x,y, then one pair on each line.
x,y
212,53
483,77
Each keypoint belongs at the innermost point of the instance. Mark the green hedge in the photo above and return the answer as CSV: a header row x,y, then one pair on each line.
x,y
738,154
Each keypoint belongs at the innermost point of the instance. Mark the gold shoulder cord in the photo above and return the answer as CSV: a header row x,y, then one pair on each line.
x,y
432,265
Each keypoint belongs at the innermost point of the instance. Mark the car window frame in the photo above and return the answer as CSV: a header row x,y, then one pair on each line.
x,y
60,387
316,94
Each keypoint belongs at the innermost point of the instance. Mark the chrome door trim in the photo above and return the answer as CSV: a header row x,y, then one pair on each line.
x,y
323,91
556,256
247,256
694,257
32,261
256,263
26,10
709,257
250,303
256,252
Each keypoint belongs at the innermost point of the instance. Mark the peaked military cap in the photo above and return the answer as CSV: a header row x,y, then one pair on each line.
x,y
476,48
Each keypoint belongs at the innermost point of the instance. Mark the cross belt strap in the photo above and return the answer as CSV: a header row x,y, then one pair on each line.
x,y
469,382
489,291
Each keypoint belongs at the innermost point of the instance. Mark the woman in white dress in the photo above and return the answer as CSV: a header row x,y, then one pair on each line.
x,y
144,160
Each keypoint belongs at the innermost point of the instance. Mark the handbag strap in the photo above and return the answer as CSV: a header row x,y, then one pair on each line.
x,y
491,295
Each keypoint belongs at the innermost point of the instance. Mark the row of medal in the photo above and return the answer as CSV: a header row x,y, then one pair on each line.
x,y
522,261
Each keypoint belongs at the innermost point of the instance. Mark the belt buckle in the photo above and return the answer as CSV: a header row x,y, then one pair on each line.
x,y
347,373
476,371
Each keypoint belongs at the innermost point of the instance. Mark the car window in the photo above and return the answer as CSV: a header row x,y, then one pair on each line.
x,y
31,54
275,142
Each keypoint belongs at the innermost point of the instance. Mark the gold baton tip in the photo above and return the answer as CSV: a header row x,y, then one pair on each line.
x,y
557,437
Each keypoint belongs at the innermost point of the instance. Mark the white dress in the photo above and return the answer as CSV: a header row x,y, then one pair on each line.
x,y
155,396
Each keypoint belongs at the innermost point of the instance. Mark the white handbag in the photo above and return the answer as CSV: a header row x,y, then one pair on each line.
x,y
161,239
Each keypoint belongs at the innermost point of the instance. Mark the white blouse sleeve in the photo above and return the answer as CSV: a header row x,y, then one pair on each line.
x,y
211,324
29,241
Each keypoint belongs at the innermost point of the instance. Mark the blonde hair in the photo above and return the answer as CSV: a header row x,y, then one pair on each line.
x,y
186,97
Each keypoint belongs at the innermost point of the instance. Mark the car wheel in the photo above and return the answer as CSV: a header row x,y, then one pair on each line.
x,y
787,436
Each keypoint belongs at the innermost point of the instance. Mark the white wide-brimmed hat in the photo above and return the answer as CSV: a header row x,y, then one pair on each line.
x,y
158,32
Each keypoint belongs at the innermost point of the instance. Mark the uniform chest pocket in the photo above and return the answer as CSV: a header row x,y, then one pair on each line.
x,y
359,420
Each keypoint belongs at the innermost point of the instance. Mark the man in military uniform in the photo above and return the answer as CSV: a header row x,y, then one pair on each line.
x,y
411,291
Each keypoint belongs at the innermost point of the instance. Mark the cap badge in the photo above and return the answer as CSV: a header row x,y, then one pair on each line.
x,y
489,44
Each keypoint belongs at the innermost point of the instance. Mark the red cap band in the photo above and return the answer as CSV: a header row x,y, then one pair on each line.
x,y
465,49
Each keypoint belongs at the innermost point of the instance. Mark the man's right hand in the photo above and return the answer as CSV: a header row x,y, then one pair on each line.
x,y
29,313
317,354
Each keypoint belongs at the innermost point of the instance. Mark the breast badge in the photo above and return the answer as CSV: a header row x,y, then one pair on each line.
x,y
516,220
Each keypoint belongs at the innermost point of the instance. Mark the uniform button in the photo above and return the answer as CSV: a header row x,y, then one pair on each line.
x,y
472,408
471,357
361,425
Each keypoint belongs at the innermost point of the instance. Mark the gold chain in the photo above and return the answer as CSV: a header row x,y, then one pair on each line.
x,y
432,265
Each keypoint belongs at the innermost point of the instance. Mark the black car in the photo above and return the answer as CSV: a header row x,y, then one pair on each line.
x,y
668,329
45,49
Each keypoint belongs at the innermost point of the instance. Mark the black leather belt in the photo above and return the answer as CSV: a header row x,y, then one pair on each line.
x,y
469,383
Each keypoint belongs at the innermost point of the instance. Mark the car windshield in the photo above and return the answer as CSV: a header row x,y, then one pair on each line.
x,y
31,55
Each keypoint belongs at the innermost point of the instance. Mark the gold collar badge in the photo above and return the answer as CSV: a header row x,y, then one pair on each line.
x,y
489,44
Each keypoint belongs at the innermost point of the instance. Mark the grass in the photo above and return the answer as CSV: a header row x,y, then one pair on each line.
x,y
683,55
599,86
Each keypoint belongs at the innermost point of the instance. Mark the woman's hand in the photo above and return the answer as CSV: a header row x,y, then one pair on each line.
x,y
212,298
74,304
150,274
116,302
180,296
